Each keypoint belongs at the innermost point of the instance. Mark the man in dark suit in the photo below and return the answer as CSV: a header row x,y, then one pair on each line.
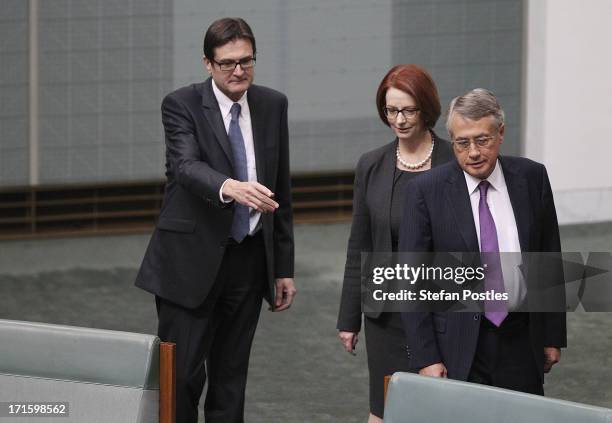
x,y
224,238
487,203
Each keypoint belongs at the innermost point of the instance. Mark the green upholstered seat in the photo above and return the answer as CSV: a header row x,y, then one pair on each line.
x,y
418,399
105,376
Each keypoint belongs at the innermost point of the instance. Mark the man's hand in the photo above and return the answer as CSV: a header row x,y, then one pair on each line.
x,y
552,355
349,340
435,370
250,194
285,292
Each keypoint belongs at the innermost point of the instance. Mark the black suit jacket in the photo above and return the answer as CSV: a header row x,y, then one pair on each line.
x,y
371,227
188,244
439,218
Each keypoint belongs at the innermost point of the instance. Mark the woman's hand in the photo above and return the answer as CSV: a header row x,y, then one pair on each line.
x,y
349,340
552,356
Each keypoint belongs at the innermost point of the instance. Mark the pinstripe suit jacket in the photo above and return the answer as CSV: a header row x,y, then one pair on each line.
x,y
439,218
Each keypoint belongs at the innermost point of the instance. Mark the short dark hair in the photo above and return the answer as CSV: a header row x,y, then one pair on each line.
x,y
224,30
416,81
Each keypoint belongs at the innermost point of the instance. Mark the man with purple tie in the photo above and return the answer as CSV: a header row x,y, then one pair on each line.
x,y
486,203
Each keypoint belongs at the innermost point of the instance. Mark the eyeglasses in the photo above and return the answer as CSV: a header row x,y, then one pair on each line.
x,y
463,144
407,113
230,65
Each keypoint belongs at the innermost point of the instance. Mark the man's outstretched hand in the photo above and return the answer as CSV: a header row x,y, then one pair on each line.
x,y
250,194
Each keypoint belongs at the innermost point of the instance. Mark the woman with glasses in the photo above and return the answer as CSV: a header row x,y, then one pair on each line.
x,y
407,101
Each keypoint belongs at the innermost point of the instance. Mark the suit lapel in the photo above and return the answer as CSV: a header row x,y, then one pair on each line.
x,y
257,125
458,199
213,116
519,198
387,175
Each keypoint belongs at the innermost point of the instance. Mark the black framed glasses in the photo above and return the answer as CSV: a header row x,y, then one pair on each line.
x,y
484,141
230,65
408,112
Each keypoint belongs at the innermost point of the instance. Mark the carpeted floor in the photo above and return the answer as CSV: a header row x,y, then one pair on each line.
x,y
298,371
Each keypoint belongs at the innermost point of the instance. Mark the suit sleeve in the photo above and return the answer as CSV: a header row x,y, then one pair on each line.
x,y
283,216
360,240
555,325
416,236
183,153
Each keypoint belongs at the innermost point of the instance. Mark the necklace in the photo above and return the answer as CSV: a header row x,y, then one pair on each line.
x,y
414,166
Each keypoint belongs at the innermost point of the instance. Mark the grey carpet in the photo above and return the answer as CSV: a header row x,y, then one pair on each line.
x,y
298,371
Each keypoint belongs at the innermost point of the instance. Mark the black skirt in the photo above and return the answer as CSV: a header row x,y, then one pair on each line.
x,y
387,354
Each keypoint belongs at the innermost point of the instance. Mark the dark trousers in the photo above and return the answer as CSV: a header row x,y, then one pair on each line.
x,y
504,356
214,340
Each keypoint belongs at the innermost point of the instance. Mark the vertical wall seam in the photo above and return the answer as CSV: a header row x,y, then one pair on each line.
x,y
33,89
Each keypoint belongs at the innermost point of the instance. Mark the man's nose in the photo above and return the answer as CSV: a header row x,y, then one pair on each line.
x,y
474,152
238,71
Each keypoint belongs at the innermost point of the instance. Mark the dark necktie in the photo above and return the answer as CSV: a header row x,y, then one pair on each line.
x,y
240,224
495,310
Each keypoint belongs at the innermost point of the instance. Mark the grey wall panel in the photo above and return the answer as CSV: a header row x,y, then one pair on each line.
x,y
14,62
105,65
465,44
14,166
342,142
14,86
327,56
12,130
102,80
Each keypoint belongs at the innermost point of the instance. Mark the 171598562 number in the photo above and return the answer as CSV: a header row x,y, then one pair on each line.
x,y
48,409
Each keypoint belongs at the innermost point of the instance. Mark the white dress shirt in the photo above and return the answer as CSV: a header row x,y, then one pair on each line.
x,y
244,121
500,206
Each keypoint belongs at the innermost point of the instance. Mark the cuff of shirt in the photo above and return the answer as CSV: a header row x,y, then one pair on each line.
x,y
221,197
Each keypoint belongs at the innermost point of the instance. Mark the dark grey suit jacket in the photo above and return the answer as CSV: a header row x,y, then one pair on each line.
x,y
188,244
371,226
439,218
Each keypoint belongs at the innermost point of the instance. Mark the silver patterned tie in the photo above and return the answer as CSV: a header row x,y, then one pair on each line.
x,y
240,224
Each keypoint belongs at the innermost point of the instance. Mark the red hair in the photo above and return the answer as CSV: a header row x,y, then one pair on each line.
x,y
416,81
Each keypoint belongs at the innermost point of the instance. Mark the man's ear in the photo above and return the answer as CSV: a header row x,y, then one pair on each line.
x,y
207,64
502,130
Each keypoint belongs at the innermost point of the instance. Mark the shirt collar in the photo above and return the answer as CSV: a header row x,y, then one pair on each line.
x,y
225,103
496,179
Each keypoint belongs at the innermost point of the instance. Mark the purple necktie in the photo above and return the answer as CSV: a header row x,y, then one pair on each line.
x,y
495,310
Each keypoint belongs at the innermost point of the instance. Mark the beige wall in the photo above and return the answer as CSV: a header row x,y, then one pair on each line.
x,y
568,107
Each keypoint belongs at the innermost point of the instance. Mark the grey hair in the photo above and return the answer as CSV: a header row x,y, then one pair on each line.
x,y
475,105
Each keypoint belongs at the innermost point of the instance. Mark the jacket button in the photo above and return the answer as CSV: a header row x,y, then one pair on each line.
x,y
476,316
